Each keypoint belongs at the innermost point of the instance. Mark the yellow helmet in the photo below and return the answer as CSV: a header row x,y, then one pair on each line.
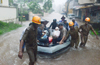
x,y
87,19
36,20
71,23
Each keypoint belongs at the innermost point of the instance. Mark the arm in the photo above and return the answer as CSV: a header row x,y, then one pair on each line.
x,y
67,35
94,32
20,54
79,29
63,38
50,25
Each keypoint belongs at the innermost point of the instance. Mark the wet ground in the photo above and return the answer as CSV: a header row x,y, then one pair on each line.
x,y
9,46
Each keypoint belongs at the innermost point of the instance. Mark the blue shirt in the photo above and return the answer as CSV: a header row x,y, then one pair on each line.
x,y
76,24
39,33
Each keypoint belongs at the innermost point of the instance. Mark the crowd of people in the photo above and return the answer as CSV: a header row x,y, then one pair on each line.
x,y
61,30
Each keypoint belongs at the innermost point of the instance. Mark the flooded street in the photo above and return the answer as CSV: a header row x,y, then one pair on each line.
x,y
9,47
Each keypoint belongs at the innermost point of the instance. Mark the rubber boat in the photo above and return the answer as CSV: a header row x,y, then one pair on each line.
x,y
53,51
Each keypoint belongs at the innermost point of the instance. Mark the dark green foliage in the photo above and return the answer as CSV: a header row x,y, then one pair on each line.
x,y
48,5
97,32
35,7
6,27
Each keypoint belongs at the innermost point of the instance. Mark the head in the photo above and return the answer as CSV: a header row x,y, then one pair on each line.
x,y
87,20
63,18
41,26
73,20
54,20
60,25
35,25
65,21
36,21
56,28
71,25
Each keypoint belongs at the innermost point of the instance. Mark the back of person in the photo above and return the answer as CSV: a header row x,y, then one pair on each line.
x,y
31,36
74,33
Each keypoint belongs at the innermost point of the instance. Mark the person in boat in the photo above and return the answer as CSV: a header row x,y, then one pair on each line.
x,y
62,35
66,25
62,19
30,38
42,38
73,32
84,30
22,36
53,24
56,33
75,23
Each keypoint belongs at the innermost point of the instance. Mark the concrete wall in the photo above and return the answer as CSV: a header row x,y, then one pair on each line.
x,y
4,3
7,13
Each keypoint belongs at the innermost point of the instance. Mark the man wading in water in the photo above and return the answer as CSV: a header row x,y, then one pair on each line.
x,y
30,38
85,32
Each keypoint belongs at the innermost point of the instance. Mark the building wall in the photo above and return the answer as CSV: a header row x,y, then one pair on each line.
x,y
4,2
7,13
86,1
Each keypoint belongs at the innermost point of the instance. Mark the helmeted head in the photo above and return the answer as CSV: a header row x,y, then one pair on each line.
x,y
36,20
71,24
54,20
87,19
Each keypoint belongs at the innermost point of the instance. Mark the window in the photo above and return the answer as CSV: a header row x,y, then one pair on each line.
x,y
98,1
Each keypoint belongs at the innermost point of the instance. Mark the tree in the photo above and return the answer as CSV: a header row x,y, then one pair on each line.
x,y
10,2
35,7
48,5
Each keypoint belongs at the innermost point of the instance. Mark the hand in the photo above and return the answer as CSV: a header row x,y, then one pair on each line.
x,y
20,54
60,42
37,40
97,37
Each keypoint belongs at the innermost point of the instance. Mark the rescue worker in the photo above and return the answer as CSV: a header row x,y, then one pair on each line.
x,y
73,32
21,38
30,38
84,30
63,32
53,24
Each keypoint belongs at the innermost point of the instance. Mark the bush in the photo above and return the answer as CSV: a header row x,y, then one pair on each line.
x,y
6,27
97,32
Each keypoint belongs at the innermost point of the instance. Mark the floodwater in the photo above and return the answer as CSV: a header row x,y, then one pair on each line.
x,y
9,46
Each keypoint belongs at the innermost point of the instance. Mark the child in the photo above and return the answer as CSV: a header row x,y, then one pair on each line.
x,y
56,33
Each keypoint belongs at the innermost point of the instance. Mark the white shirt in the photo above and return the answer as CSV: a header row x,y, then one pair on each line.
x,y
22,33
56,33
